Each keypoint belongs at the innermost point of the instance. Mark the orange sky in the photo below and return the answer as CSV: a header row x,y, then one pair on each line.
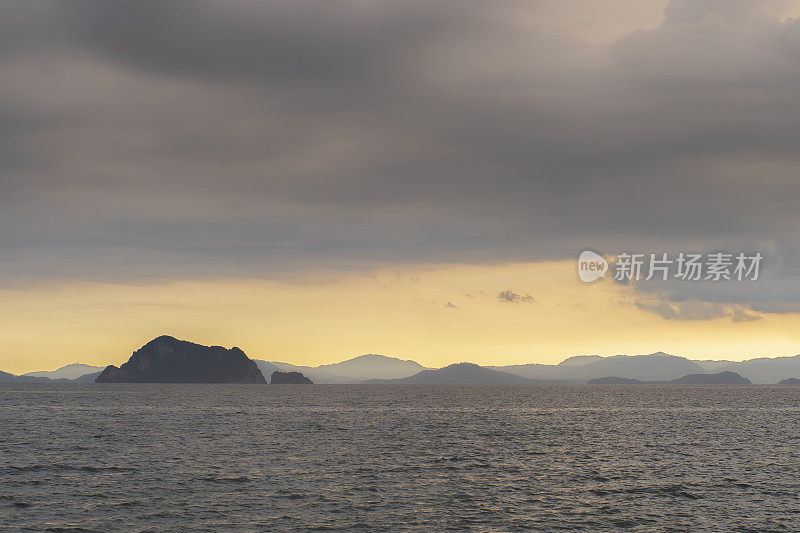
x,y
319,318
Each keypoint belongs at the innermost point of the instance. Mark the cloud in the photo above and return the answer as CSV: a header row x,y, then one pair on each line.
x,y
741,314
343,133
777,289
514,298
696,310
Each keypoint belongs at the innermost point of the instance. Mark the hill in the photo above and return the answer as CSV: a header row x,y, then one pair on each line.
x,y
458,374
650,367
720,378
166,359
73,371
355,370
760,369
6,377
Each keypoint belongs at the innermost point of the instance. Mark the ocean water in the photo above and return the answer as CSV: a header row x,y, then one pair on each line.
x,y
434,458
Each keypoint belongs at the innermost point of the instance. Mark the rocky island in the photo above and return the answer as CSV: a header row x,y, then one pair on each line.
x,y
289,378
166,359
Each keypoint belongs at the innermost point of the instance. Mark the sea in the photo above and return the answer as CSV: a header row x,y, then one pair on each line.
x,y
117,457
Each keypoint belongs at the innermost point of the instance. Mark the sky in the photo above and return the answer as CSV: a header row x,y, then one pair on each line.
x,y
314,180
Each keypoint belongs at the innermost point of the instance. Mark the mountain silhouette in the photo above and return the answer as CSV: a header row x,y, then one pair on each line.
x,y
656,367
6,377
725,377
73,371
87,378
458,374
266,368
720,378
758,370
289,378
651,367
355,370
166,359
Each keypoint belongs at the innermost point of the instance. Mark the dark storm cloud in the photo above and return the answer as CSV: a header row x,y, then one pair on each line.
x,y
776,289
166,139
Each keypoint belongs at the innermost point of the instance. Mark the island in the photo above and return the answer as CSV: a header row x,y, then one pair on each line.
x,y
289,378
721,378
615,380
789,381
166,359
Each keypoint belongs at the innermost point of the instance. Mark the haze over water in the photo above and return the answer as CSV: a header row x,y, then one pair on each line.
x,y
243,457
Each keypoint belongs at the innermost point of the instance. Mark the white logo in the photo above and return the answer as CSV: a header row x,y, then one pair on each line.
x,y
591,266
664,266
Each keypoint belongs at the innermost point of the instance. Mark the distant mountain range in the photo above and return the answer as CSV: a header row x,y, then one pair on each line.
x,y
759,370
721,378
74,372
373,368
356,370
70,372
5,377
651,367
458,374
658,367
